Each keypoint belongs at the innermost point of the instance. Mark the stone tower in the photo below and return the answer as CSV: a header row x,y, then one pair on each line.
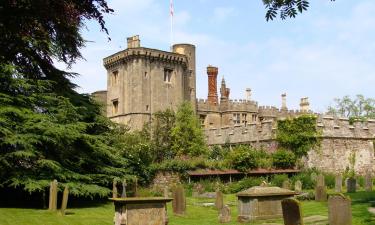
x,y
142,81
212,85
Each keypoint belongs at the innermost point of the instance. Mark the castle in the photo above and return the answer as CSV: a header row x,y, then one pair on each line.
x,y
142,81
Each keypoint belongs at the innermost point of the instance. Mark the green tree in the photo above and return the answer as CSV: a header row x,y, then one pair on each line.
x,y
163,123
285,8
187,134
358,108
43,136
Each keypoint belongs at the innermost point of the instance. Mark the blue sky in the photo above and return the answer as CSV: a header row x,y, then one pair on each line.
x,y
326,52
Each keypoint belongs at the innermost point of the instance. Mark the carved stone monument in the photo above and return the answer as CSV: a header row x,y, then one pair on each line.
x,y
135,211
298,186
339,210
292,212
261,203
320,189
286,184
351,185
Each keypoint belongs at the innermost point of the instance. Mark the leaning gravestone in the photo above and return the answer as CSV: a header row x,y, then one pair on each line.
x,y
368,182
53,196
320,189
292,212
351,185
339,210
224,215
219,202
298,186
64,202
286,184
338,183
179,201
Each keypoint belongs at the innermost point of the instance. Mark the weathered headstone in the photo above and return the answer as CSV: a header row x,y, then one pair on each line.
x,y
136,187
123,194
166,192
368,182
53,196
224,215
339,210
114,189
219,202
320,180
179,201
286,184
298,186
292,212
197,190
64,202
320,193
338,183
351,185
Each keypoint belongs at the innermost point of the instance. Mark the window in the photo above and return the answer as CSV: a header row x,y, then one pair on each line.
x,y
147,108
114,78
254,118
202,118
244,117
114,107
236,118
145,74
167,75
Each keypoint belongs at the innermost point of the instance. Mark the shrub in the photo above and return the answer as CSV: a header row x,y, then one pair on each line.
x,y
329,179
278,179
283,159
244,184
305,177
244,158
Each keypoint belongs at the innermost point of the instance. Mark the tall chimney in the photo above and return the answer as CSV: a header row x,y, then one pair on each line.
x,y
212,85
134,42
248,94
283,102
304,105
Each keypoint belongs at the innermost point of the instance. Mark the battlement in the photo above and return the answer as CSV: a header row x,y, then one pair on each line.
x,y
330,127
141,52
240,105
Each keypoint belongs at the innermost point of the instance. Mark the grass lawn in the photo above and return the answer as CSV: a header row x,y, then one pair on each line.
x,y
102,214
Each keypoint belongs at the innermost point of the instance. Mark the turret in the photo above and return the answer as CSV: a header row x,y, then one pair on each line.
x,y
304,104
283,102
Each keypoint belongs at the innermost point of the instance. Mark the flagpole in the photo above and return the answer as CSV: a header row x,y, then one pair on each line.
x,y
171,12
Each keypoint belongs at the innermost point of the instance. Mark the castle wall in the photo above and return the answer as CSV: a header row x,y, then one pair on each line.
x,y
339,140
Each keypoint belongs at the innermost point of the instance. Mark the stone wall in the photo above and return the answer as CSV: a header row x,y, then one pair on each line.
x,y
340,140
165,179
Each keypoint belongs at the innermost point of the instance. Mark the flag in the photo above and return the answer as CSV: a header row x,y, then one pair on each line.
x,y
171,9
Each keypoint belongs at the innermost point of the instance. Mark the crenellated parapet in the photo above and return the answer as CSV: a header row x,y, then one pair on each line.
x,y
144,53
330,127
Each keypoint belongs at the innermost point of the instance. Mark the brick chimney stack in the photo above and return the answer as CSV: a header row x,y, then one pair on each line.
x,y
212,85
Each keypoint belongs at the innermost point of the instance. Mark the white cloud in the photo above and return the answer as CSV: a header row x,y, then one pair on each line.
x,y
223,13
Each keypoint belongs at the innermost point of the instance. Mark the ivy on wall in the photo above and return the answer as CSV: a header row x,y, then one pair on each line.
x,y
298,134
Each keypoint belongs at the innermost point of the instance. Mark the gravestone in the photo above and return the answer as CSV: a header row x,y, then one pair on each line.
x,y
224,215
166,192
368,182
339,210
320,180
123,195
197,190
136,188
298,186
320,189
53,196
219,202
64,202
286,184
351,185
338,183
292,212
320,194
179,201
114,189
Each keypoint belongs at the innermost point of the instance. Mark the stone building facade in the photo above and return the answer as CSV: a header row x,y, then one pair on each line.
x,y
142,81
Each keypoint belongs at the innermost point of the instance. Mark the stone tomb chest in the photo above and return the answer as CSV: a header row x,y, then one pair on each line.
x,y
261,203
141,211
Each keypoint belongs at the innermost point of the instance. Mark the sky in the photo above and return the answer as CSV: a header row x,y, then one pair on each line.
x,y
324,53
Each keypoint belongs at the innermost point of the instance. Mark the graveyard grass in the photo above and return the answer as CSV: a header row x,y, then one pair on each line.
x,y
102,214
